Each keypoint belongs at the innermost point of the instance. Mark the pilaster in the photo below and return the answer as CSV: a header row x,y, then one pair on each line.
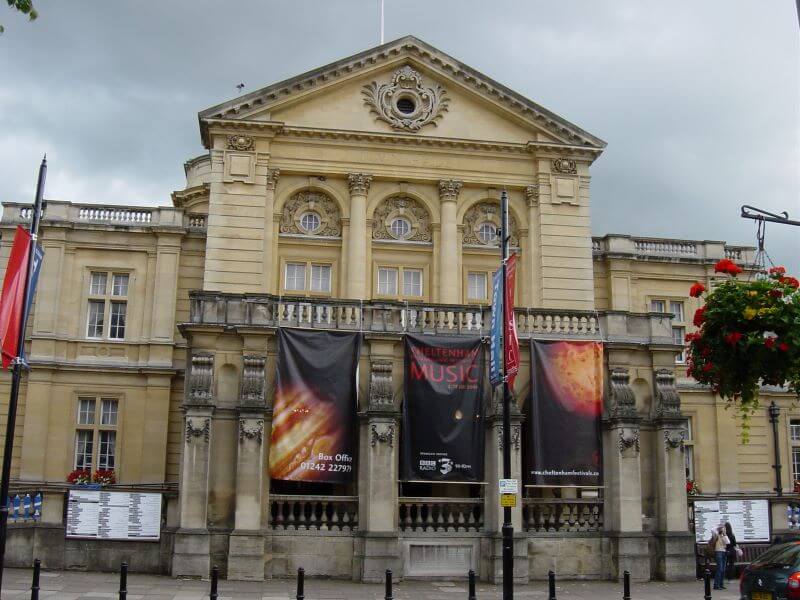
x,y
270,281
534,272
449,276
357,236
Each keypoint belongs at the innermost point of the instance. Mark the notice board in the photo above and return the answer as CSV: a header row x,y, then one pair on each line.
x,y
95,514
749,519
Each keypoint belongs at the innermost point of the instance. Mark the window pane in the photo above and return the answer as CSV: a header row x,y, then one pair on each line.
x,y
96,318
107,449
796,463
476,286
118,314
86,411
794,430
689,458
108,411
320,278
97,287
676,308
387,281
119,287
689,429
83,449
400,228
295,276
487,233
657,306
412,282
310,222
678,334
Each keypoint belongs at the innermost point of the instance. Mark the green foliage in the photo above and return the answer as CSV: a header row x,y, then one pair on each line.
x,y
749,335
23,6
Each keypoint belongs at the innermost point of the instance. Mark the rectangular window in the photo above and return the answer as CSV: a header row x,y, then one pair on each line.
x,y
412,282
117,327
83,449
108,411
796,463
476,286
320,278
387,281
794,440
95,434
678,336
97,286
657,306
676,308
794,430
106,450
96,319
86,411
119,287
295,277
688,454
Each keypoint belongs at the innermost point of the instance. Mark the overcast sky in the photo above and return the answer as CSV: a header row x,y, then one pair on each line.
x,y
699,101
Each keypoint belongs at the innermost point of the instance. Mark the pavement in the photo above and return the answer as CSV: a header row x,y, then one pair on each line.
x,y
73,585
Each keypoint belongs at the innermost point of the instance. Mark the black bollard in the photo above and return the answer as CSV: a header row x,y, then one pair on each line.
x,y
551,583
37,567
707,584
212,595
626,585
123,581
471,594
389,585
301,574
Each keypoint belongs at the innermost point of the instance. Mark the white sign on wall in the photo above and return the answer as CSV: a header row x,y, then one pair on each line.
x,y
96,514
748,518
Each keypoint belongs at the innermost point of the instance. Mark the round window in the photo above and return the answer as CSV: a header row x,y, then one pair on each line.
x,y
406,105
400,228
487,233
309,222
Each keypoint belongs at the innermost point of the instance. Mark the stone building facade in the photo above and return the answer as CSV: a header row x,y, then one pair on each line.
x,y
364,196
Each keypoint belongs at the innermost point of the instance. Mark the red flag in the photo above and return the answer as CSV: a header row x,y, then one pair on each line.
x,y
13,298
510,341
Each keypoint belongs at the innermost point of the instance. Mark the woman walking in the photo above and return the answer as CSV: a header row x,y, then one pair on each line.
x,y
730,550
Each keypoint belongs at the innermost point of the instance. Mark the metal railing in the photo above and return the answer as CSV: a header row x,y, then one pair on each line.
x,y
440,514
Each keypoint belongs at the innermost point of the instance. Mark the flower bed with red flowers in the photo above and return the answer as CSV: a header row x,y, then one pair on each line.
x,y
749,335
80,476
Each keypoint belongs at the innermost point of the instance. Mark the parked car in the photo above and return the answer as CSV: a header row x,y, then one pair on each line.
x,y
775,575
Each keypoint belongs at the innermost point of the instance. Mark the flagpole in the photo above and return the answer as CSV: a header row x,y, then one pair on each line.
x,y
16,375
508,528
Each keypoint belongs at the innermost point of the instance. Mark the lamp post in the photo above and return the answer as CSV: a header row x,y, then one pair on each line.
x,y
508,528
774,416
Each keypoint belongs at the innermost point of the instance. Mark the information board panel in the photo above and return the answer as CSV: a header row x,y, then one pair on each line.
x,y
95,514
749,519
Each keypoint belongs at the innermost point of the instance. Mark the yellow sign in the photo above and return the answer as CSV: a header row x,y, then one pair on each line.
x,y
508,500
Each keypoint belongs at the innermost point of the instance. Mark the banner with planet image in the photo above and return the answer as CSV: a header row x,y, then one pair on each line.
x,y
443,430
313,419
562,428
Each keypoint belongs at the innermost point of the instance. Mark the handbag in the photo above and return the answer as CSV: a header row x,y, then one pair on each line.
x,y
739,552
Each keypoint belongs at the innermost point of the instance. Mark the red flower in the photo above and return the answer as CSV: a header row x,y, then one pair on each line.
x,y
777,271
705,352
769,342
699,316
783,347
707,367
691,337
775,293
790,281
733,338
697,289
690,372
726,265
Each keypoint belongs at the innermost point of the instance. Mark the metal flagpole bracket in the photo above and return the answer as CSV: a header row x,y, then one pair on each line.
x,y
759,214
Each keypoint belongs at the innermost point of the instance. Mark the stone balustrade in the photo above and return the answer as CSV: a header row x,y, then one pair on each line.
x,y
645,248
313,513
195,222
92,214
426,515
547,515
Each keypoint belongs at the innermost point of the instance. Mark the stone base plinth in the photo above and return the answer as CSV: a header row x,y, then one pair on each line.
x,y
675,559
246,556
192,553
492,552
380,552
629,552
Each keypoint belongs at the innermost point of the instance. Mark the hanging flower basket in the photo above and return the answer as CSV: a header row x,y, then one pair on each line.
x,y
693,488
749,335
104,477
80,477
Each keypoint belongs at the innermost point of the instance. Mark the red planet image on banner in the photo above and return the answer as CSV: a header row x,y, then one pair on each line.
x,y
580,382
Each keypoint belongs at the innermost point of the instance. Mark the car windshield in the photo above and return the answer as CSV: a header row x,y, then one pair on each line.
x,y
785,555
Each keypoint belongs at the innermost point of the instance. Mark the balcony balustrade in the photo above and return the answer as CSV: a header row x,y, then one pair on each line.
x,y
313,513
550,515
427,515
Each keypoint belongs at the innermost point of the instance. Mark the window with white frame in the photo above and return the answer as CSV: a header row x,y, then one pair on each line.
x,y
387,281
676,307
107,305
96,433
412,282
400,282
307,276
476,286
794,441
688,455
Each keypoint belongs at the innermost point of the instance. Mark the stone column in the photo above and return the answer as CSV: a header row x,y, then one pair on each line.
x,y
357,236
246,548
191,554
378,502
675,550
623,481
270,282
493,512
533,293
449,274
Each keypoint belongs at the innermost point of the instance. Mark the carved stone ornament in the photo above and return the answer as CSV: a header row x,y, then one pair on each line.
x,y
193,432
251,433
311,202
566,166
406,104
241,142
668,401
384,436
628,438
516,432
621,399
674,439
487,212
272,178
200,380
380,383
253,380
413,212
449,190
359,183
532,193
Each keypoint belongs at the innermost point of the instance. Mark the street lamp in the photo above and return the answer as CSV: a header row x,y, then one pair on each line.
x,y
774,416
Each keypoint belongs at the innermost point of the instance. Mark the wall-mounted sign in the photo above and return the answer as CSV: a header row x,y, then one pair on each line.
x,y
95,514
748,518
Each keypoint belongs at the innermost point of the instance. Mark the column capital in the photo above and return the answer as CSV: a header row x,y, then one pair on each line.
x,y
532,194
272,178
359,183
449,190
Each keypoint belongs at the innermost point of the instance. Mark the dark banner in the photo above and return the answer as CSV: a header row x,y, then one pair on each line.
x,y
562,445
313,422
443,431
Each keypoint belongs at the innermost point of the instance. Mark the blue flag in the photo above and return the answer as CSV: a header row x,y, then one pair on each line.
x,y
38,257
496,330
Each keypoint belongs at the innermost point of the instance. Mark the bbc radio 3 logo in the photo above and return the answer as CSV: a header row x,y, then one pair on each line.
x,y
443,465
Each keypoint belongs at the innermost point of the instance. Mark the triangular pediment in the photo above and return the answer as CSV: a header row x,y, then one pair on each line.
x,y
407,87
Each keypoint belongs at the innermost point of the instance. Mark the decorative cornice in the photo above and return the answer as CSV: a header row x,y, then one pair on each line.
x,y
449,190
359,183
184,198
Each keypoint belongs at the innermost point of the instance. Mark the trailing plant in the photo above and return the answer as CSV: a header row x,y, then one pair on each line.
x,y
749,335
